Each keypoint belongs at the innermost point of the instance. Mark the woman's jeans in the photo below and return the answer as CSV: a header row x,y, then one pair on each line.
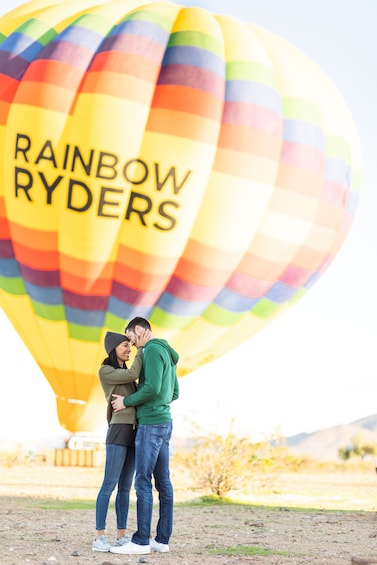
x,y
152,458
119,470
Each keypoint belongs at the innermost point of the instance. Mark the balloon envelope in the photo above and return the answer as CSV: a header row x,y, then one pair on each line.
x,y
165,162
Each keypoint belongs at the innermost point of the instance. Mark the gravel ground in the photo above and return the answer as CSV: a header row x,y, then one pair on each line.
x,y
317,519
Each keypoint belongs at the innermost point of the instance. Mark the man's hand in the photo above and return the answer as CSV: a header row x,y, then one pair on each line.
x,y
117,402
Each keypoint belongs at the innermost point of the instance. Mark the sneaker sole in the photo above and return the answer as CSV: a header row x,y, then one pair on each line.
x,y
101,550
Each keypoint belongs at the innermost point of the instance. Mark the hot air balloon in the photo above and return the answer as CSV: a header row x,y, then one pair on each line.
x,y
165,162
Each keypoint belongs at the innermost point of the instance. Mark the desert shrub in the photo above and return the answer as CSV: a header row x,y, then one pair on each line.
x,y
220,464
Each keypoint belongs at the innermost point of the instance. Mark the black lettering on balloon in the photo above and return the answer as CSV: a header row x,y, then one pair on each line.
x,y
77,156
131,164
162,211
103,202
49,187
107,161
23,144
74,190
46,154
23,180
138,204
177,187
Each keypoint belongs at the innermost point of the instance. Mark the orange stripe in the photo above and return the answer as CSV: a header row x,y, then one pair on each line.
x,y
35,258
144,262
211,257
299,180
190,100
4,229
45,96
194,273
4,111
329,215
309,258
239,164
141,281
250,140
54,73
180,124
39,240
87,286
121,86
130,64
72,266
8,87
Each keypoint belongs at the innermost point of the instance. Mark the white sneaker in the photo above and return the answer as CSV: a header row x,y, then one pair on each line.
x,y
131,548
159,547
101,544
122,541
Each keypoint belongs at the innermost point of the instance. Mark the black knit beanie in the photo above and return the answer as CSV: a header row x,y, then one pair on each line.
x,y
113,339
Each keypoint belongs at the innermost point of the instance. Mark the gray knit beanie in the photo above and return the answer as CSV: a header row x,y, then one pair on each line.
x,y
113,339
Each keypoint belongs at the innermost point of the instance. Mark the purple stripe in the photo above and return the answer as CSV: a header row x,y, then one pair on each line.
x,y
82,302
193,77
192,292
132,296
48,279
74,55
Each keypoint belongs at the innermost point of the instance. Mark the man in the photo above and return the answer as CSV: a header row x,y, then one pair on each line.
x,y
158,387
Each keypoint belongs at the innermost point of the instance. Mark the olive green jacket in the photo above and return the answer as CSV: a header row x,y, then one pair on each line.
x,y
121,381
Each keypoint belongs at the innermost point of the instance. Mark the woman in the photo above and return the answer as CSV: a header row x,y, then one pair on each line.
x,y
120,438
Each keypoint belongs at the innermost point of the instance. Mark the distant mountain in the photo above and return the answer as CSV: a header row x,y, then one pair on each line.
x,y
324,444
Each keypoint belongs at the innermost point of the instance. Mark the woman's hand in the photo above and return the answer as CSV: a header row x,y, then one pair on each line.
x,y
117,402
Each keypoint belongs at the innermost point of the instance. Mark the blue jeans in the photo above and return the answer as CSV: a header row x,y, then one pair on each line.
x,y
152,458
119,470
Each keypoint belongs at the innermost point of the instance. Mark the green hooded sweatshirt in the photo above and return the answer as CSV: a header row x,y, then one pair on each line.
x,y
158,383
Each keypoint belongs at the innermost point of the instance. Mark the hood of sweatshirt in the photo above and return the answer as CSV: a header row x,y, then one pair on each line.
x,y
163,343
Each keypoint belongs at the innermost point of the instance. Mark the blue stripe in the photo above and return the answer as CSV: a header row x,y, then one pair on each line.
x,y
79,36
143,28
9,268
20,44
51,296
128,311
233,302
85,317
306,133
280,293
195,57
338,171
253,93
178,307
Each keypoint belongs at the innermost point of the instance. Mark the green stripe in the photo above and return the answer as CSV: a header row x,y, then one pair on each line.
x,y
247,70
300,109
37,30
356,180
49,312
299,294
114,323
196,39
338,148
221,317
165,320
84,333
94,23
265,308
13,285
150,16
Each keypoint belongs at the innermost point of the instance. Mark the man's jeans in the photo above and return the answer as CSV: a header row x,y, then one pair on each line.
x,y
152,458
119,469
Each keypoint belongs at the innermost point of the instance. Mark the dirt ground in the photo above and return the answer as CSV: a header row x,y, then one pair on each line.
x,y
322,518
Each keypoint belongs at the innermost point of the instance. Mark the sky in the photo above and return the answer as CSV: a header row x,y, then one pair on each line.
x,y
315,366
